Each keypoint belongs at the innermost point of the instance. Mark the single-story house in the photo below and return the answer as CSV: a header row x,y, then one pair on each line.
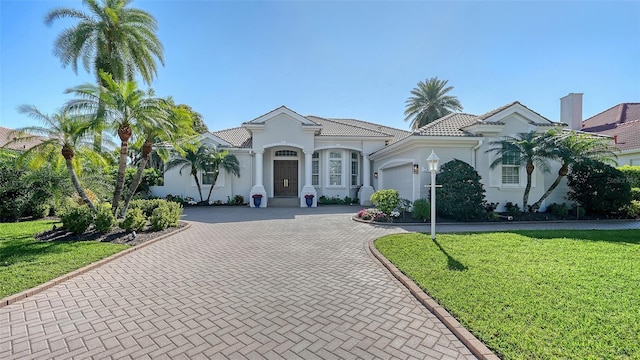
x,y
283,154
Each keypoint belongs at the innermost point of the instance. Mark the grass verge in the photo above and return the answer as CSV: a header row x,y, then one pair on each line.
x,y
26,262
533,294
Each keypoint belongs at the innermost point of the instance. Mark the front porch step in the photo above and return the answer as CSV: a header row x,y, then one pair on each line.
x,y
283,202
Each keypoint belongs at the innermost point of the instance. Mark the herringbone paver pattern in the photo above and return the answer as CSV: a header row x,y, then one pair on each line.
x,y
239,284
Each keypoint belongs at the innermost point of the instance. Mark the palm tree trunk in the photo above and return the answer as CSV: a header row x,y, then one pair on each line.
x,y
122,165
195,177
548,192
146,150
76,184
134,186
527,189
215,178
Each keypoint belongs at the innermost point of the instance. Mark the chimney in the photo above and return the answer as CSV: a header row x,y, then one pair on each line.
x,y
571,110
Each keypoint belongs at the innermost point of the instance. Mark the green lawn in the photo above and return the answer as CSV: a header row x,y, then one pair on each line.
x,y
26,262
533,294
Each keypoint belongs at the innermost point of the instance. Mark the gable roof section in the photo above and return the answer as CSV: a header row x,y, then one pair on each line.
x,y
7,135
621,121
238,137
493,112
281,110
334,127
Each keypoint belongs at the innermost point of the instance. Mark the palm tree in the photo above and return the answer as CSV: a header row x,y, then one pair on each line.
x,y
178,124
126,108
222,160
111,37
60,131
195,160
571,148
429,102
530,148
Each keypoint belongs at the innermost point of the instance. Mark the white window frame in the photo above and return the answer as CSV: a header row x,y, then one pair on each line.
x,y
219,181
508,167
355,160
340,161
315,164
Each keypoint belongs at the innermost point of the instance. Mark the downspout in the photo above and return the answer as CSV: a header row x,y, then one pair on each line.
x,y
473,153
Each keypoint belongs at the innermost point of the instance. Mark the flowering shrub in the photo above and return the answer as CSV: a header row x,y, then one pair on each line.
x,y
373,214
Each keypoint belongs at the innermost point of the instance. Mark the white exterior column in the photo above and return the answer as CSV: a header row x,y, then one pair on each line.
x,y
308,189
366,190
259,174
258,187
366,171
308,161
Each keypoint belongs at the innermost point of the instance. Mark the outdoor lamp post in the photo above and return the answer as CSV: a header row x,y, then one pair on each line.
x,y
432,162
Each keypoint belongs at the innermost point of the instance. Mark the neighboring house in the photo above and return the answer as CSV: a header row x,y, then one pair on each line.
x,y
622,123
285,154
8,137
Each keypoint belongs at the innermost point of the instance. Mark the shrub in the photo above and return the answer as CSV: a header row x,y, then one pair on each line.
x,y
421,210
165,215
37,211
77,219
635,193
134,220
631,210
559,210
147,206
461,196
386,200
105,221
323,200
632,173
579,211
599,188
512,209
239,199
347,200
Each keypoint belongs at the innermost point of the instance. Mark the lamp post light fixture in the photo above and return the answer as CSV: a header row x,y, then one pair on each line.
x,y
416,168
432,162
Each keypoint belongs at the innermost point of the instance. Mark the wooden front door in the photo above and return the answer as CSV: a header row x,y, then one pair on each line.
x,y
285,178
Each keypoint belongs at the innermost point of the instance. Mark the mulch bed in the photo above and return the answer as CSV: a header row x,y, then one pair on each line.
x,y
116,236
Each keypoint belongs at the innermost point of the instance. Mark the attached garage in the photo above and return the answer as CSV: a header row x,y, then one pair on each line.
x,y
399,178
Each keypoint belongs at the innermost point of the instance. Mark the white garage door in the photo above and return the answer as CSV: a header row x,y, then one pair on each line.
x,y
401,179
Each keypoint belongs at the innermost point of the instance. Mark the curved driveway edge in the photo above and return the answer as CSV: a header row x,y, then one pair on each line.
x,y
477,347
53,282
240,283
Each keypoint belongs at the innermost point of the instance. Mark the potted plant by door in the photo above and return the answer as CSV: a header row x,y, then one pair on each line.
x,y
309,199
257,200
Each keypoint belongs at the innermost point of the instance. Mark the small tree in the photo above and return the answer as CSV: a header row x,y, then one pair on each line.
x,y
462,194
598,187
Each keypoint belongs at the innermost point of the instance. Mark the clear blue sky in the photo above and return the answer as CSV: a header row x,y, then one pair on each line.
x,y
234,61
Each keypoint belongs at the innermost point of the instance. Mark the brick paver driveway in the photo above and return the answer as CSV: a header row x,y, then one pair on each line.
x,y
240,283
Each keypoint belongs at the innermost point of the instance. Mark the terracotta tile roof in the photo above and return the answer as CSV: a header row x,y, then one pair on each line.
x,y
6,136
448,125
238,137
621,121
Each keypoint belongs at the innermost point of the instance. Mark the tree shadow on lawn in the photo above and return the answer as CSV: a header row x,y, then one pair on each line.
x,y
16,251
629,236
452,263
